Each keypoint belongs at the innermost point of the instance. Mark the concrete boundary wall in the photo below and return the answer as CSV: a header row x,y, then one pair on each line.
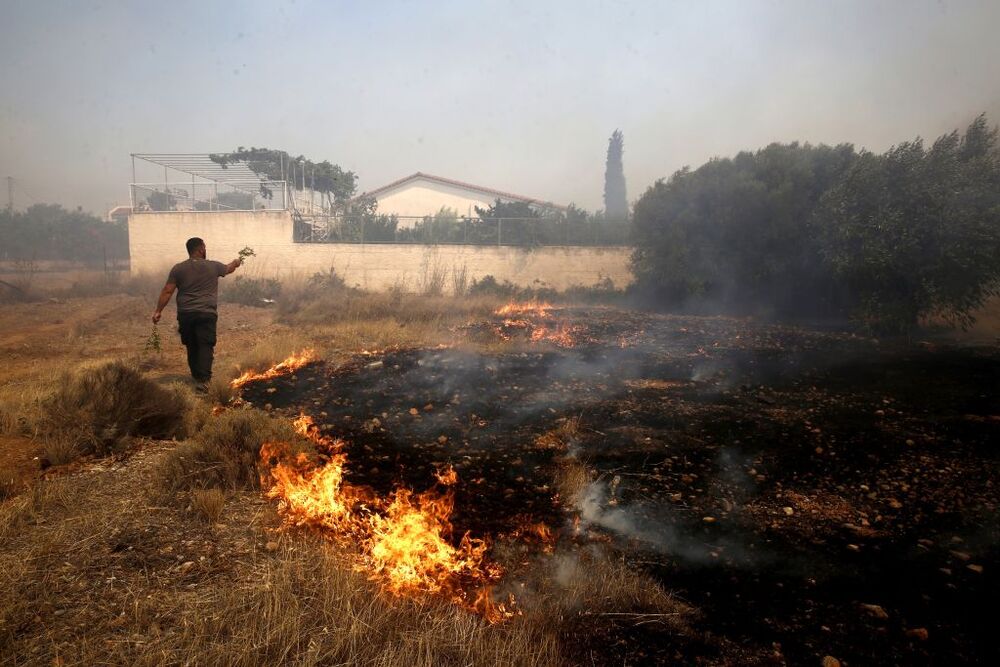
x,y
156,242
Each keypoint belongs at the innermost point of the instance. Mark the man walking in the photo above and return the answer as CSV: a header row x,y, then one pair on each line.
x,y
197,283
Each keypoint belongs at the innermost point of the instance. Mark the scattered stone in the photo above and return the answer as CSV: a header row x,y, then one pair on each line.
x,y
909,442
829,661
414,411
788,511
709,519
978,569
876,611
187,565
853,547
961,555
271,390
442,439
376,364
428,407
271,546
917,633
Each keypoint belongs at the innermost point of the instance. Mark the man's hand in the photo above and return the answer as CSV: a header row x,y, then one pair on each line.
x,y
161,303
233,265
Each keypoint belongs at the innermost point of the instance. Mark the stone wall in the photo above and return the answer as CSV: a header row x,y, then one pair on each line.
x,y
156,241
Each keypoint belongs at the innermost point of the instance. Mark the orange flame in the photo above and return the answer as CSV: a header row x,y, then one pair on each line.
x,y
534,307
563,335
405,538
286,367
446,476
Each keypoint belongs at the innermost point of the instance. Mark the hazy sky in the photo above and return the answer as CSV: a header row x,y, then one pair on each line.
x,y
519,96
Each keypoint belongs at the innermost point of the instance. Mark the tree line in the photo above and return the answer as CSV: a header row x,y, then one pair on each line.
x,y
801,231
51,232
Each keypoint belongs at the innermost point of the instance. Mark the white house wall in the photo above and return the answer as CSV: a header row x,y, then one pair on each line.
x,y
421,197
156,242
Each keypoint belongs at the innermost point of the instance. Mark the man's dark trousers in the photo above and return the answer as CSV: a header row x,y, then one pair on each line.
x,y
198,335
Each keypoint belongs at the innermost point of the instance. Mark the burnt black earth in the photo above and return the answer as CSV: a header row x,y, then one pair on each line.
x,y
810,492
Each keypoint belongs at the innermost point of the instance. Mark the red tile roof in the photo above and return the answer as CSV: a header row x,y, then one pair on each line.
x,y
469,186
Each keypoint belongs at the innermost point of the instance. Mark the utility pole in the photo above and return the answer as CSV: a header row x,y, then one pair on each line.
x,y
10,194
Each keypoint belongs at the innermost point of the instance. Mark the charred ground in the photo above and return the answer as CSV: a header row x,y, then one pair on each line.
x,y
811,493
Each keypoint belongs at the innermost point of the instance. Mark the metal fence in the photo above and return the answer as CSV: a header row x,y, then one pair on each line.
x,y
460,231
209,196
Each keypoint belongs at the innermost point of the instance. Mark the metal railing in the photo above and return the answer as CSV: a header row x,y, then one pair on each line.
x,y
524,232
252,195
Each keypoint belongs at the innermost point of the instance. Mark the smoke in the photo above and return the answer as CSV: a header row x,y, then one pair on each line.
x,y
594,509
667,535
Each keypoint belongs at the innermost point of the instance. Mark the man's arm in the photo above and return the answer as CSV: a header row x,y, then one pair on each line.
x,y
168,291
233,265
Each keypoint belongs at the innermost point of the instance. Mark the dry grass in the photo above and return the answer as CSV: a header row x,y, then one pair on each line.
x,y
90,575
9,483
223,455
208,504
592,583
355,306
21,406
50,500
306,607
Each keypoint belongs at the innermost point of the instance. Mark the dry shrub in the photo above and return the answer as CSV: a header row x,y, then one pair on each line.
x,y
220,390
223,455
459,280
432,275
59,450
250,291
99,409
208,504
571,480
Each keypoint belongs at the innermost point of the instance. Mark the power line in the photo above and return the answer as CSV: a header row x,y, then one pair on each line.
x,y
27,194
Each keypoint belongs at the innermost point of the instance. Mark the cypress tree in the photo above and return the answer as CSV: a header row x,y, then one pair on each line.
x,y
615,201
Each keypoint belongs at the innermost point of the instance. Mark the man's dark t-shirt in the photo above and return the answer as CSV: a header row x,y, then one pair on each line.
x,y
197,283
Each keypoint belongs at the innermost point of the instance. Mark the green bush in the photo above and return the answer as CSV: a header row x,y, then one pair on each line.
x,y
817,231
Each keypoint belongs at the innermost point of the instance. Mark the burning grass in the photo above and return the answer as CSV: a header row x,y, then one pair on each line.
x,y
285,367
695,432
404,539
89,574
